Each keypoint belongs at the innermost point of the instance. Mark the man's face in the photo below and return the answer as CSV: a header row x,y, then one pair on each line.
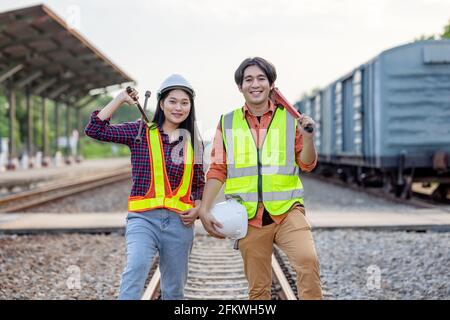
x,y
255,86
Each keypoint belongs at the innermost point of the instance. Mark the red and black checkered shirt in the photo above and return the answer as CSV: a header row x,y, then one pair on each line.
x,y
125,133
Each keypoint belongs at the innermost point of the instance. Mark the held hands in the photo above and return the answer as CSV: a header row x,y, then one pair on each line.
x,y
210,224
304,121
124,97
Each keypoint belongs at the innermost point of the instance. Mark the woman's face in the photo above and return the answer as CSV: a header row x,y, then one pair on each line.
x,y
176,106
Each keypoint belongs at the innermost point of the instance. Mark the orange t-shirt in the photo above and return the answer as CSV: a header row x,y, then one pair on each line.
x,y
218,166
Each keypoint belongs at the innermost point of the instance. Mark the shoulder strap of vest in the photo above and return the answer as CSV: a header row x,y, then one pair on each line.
x,y
289,116
226,121
152,126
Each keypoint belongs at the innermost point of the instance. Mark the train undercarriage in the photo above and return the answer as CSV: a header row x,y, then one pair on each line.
x,y
401,180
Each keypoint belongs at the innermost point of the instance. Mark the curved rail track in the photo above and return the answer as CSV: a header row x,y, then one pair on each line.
x,y
40,195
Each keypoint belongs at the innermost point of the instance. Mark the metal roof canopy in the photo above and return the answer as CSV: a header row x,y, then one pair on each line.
x,y
39,50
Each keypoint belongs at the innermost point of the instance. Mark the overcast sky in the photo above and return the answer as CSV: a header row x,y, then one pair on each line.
x,y
311,42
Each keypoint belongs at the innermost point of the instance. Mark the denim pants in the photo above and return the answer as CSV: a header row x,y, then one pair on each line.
x,y
146,233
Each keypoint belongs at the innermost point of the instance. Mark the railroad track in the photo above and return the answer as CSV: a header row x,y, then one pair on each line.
x,y
40,195
216,272
418,200
291,275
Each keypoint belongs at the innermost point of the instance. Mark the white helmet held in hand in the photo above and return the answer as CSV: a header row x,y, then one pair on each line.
x,y
233,217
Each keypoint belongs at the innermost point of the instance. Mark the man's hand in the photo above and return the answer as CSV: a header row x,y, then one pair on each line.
x,y
210,224
303,122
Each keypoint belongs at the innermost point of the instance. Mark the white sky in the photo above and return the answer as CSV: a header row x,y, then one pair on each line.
x,y
311,42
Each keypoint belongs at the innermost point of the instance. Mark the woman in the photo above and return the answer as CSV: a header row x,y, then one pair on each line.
x,y
168,181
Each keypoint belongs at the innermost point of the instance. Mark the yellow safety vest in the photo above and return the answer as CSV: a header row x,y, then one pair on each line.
x,y
160,194
270,174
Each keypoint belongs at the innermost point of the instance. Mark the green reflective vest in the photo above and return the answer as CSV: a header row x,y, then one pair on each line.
x,y
270,174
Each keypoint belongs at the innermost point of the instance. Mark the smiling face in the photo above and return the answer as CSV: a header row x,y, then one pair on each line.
x,y
255,86
176,106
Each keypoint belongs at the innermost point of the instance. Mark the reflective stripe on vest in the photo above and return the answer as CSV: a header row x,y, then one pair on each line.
x,y
281,184
160,194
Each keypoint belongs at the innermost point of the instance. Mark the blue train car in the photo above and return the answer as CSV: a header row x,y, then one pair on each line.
x,y
387,122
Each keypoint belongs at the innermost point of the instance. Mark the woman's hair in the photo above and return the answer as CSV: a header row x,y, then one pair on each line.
x,y
189,124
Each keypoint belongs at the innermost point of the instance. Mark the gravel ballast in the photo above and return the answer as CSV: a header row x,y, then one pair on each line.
x,y
71,266
354,265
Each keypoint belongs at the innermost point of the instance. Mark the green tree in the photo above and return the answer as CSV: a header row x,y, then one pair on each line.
x,y
446,33
90,148
3,116
425,37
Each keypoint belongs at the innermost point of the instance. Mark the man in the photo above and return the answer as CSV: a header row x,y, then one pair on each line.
x,y
258,151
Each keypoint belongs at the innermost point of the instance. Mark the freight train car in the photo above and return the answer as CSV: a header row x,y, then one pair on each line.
x,y
387,122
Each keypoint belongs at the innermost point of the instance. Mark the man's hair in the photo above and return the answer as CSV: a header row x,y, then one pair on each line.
x,y
267,67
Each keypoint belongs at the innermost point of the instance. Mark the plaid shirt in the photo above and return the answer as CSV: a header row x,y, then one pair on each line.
x,y
125,133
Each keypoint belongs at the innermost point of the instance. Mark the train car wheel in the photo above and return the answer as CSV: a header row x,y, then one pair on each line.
x,y
441,192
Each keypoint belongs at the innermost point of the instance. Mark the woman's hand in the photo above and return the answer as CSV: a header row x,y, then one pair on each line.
x,y
115,103
124,97
189,216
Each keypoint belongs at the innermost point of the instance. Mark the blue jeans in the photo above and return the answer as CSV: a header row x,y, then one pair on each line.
x,y
146,233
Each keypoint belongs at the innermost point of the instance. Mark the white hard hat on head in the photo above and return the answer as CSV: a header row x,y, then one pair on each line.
x,y
233,217
175,81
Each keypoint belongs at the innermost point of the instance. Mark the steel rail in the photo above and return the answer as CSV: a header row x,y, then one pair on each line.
x,y
44,194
